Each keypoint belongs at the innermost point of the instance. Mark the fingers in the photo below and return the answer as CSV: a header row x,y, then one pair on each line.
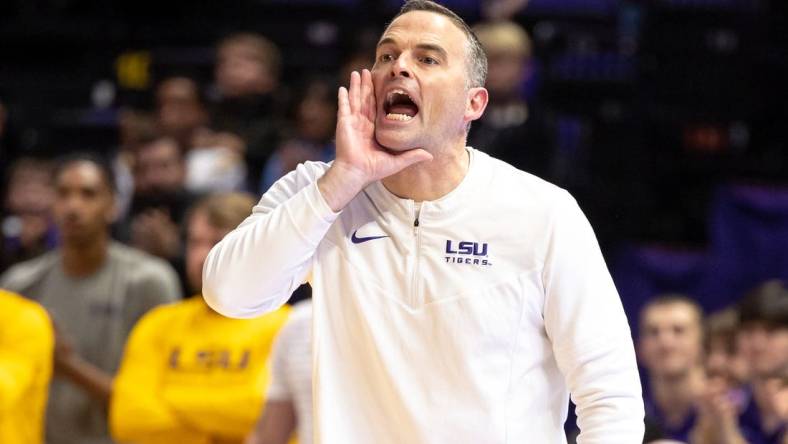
x,y
410,157
355,92
343,101
367,95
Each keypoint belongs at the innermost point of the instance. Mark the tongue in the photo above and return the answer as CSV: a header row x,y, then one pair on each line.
x,y
408,110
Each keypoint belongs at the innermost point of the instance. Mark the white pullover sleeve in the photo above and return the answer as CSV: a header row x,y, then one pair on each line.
x,y
257,266
591,339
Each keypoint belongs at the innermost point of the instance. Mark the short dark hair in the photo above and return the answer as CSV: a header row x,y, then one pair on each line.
x,y
101,162
671,299
766,303
477,58
721,326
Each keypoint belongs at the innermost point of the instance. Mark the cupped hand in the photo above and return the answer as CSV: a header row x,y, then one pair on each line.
x,y
360,159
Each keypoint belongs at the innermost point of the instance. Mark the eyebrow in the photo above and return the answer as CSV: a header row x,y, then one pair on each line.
x,y
423,46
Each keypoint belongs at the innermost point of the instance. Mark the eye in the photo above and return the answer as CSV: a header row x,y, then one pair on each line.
x,y
385,57
429,60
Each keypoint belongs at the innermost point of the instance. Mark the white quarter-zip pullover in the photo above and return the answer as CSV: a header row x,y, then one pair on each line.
x,y
470,323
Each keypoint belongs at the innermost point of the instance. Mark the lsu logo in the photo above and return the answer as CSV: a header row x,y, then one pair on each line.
x,y
465,252
209,360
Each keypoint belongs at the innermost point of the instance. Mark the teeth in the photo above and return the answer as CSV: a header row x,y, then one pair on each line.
x,y
397,91
400,117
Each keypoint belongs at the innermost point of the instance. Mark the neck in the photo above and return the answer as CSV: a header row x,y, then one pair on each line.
x,y
431,180
83,260
675,395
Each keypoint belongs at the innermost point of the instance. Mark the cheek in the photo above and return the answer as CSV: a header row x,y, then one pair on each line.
x,y
444,105
779,343
57,209
647,348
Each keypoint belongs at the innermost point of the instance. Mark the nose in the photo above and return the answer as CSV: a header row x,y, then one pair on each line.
x,y
401,67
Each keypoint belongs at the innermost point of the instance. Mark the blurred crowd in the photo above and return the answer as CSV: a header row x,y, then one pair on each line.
x,y
110,248
720,378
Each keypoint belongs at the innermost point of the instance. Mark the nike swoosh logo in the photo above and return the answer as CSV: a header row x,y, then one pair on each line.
x,y
359,240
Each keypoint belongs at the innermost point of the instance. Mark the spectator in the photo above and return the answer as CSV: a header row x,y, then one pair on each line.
x,y
95,290
28,230
135,127
764,340
160,200
213,161
510,128
723,358
288,407
188,374
180,109
502,9
313,138
247,79
26,343
724,396
671,350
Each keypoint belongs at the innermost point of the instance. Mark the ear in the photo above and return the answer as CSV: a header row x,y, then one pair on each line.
x,y
476,103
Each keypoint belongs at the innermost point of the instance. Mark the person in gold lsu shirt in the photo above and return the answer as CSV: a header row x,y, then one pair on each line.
x,y
190,375
26,346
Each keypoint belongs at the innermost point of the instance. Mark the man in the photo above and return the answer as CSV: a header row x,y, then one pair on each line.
x,y
511,129
26,343
28,230
197,386
288,407
160,201
212,161
180,109
95,290
248,69
457,299
763,337
723,358
670,347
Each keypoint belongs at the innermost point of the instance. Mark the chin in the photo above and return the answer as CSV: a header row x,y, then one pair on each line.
x,y
394,140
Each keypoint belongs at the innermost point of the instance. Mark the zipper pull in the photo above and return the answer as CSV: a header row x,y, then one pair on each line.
x,y
416,225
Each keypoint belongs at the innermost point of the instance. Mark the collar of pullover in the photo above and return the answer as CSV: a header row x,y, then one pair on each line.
x,y
454,198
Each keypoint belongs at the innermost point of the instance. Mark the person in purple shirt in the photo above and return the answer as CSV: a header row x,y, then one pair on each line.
x,y
763,336
670,347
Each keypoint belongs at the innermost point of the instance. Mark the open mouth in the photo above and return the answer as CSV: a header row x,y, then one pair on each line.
x,y
399,106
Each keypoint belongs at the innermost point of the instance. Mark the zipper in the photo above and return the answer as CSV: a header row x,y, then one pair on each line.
x,y
414,289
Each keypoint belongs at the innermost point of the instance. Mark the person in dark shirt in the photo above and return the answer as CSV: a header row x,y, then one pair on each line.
x,y
160,201
28,229
511,128
763,336
670,347
249,104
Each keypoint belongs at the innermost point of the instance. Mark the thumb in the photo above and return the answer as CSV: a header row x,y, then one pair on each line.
x,y
411,157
